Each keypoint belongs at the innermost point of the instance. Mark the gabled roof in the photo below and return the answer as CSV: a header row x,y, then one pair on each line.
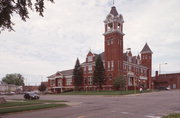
x,y
101,54
146,49
113,11
61,73
90,53
67,72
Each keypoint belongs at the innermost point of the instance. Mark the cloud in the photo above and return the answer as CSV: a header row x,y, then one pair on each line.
x,y
70,28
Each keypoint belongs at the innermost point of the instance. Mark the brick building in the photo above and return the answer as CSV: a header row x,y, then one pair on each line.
x,y
137,69
167,80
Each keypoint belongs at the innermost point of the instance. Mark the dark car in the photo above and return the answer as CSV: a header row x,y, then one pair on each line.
x,y
31,96
163,88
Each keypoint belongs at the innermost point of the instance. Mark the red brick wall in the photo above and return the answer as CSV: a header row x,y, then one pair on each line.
x,y
165,80
113,52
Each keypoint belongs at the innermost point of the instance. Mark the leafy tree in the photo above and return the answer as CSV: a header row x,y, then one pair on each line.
x,y
21,7
78,75
42,87
16,79
99,73
119,82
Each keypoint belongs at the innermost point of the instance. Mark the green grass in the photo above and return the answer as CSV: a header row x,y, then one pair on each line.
x,y
51,101
100,92
13,104
21,102
27,108
173,115
26,105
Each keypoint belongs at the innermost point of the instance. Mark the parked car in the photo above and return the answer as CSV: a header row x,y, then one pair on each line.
x,y
31,96
168,88
163,88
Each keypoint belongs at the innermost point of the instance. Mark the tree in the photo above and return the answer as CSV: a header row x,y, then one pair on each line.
x,y
42,87
119,82
99,73
16,79
78,75
21,7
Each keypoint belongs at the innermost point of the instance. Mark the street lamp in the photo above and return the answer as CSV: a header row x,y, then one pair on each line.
x,y
127,49
160,67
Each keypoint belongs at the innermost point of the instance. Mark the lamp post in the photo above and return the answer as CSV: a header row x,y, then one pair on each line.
x,y
127,49
160,67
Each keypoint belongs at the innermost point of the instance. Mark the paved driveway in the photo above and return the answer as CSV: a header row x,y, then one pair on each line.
x,y
148,105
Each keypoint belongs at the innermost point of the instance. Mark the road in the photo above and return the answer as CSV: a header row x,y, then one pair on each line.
x,y
147,105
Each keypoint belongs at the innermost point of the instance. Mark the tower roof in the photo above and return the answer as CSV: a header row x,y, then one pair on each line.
x,y
146,49
114,11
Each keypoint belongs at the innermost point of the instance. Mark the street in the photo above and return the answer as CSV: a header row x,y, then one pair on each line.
x,y
146,105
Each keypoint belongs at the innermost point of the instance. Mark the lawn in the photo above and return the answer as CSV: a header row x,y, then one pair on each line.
x,y
101,92
26,105
173,115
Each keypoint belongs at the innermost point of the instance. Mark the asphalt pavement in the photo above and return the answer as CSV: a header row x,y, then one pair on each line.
x,y
145,105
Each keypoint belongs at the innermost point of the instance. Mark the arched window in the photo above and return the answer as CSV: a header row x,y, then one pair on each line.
x,y
110,77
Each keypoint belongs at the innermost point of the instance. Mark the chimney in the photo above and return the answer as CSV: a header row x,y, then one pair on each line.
x,y
156,74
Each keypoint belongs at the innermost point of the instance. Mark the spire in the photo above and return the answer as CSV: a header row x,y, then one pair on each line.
x,y
146,49
138,57
113,11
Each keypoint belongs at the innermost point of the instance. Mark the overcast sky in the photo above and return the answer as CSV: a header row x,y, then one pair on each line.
x,y
70,28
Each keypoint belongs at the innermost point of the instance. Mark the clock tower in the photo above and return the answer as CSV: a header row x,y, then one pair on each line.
x,y
113,44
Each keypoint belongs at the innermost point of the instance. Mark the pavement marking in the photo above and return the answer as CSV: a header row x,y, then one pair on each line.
x,y
81,117
124,112
150,116
113,111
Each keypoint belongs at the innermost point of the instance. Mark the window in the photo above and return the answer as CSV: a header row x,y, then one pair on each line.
x,y
131,81
145,73
141,70
90,58
111,41
90,68
52,83
110,27
119,27
138,61
112,65
174,86
60,82
90,80
69,81
110,77
85,69
108,42
109,65
129,59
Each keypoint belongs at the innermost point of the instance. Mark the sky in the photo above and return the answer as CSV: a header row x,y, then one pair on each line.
x,y
42,46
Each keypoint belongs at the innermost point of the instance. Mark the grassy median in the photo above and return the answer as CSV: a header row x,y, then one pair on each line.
x,y
101,92
173,115
26,105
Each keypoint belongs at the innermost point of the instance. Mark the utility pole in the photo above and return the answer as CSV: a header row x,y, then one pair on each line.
x,y
160,67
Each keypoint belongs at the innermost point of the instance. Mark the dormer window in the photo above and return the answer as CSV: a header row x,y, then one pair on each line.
x,y
90,58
